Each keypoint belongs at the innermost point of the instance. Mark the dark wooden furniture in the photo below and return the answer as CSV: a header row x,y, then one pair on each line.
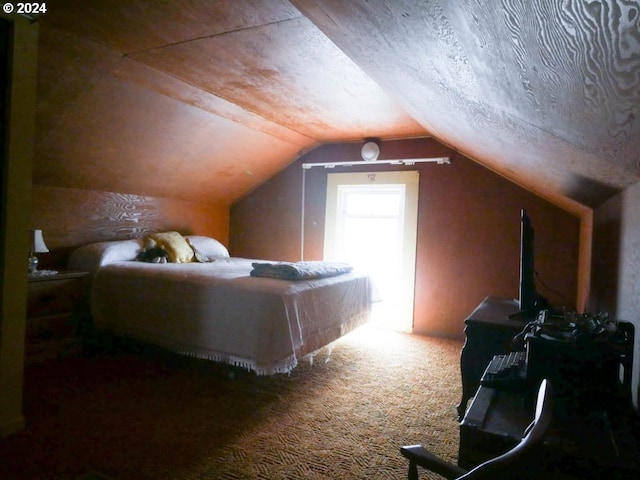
x,y
595,427
53,312
494,421
521,457
488,331
594,445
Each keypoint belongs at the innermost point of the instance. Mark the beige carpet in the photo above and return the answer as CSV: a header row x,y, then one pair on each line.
x,y
146,415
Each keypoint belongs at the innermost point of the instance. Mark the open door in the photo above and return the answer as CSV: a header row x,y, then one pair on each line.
x,y
371,223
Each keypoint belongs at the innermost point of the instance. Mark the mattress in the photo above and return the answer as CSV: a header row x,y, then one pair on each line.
x,y
220,312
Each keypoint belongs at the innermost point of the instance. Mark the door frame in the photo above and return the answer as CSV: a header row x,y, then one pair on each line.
x,y
410,179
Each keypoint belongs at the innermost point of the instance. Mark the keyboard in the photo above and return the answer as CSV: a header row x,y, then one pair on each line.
x,y
505,371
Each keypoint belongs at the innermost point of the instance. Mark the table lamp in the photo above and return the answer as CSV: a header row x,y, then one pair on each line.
x,y
37,246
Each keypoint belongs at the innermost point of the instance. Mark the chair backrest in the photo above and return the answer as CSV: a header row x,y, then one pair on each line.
x,y
504,465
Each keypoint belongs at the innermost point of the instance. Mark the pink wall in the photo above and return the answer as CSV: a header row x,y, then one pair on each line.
x,y
468,230
71,217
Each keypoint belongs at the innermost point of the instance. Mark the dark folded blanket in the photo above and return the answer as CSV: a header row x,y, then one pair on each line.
x,y
299,270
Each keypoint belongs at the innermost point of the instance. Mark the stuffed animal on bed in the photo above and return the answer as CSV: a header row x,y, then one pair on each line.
x,y
152,252
153,255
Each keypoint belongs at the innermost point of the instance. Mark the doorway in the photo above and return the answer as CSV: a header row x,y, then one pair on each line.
x,y
371,223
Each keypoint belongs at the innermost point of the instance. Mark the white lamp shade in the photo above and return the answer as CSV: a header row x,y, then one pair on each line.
x,y
37,242
370,151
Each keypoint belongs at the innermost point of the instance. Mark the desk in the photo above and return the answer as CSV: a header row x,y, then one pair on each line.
x,y
493,424
590,446
488,332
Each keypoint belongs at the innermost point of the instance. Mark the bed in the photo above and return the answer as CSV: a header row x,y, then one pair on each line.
x,y
217,309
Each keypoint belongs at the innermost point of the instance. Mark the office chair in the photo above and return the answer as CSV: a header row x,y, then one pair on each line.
x,y
504,466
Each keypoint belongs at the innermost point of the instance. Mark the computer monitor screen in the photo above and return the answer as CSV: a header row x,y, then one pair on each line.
x,y
527,295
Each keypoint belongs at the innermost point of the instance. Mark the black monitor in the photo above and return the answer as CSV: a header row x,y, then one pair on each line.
x,y
527,289
530,302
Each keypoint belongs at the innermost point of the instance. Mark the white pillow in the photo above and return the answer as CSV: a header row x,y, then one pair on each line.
x,y
89,258
208,246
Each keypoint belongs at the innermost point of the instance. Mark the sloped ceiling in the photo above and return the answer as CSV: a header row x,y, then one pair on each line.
x,y
204,100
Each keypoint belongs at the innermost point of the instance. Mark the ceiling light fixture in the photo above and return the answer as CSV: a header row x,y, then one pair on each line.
x,y
370,152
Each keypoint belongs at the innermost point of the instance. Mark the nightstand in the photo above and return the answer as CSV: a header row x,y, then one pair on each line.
x,y
54,310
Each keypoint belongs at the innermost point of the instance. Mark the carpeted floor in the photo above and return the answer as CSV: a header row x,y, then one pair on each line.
x,y
147,415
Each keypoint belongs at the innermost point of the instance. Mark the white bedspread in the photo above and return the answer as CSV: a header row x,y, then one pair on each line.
x,y
219,312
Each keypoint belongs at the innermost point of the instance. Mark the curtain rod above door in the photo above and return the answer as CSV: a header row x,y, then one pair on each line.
x,y
400,161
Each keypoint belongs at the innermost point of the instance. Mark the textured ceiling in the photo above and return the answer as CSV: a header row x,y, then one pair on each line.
x,y
204,100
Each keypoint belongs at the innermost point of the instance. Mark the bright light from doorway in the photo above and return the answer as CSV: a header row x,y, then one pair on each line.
x,y
369,230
